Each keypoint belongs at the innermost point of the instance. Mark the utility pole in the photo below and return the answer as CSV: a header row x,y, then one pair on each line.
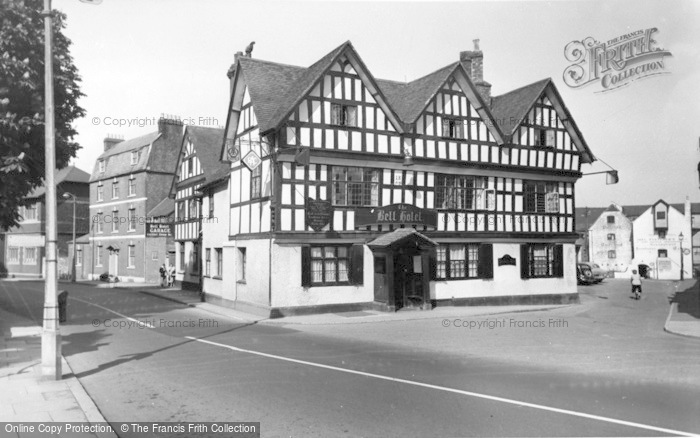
x,y
51,334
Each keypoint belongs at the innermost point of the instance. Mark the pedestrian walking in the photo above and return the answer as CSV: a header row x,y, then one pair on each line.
x,y
636,281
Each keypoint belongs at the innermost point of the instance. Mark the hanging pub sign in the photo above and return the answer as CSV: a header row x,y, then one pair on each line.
x,y
318,213
251,160
160,229
395,214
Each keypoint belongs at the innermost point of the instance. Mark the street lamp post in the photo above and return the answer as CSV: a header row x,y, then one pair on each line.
x,y
680,242
51,335
67,195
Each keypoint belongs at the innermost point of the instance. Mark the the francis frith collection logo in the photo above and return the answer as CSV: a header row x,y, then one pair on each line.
x,y
615,63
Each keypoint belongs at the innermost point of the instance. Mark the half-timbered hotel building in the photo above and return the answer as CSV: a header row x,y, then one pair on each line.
x,y
351,192
198,162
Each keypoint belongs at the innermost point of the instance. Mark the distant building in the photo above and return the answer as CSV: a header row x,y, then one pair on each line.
x,y
657,242
22,247
130,179
199,161
622,238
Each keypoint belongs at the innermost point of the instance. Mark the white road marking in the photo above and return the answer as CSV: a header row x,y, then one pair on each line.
x,y
453,390
143,323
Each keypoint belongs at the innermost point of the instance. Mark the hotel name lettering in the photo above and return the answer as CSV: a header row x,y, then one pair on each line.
x,y
396,214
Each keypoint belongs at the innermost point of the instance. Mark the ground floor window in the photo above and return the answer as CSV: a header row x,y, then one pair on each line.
x,y
207,262
131,257
541,260
241,264
459,261
219,261
332,265
13,255
98,255
29,256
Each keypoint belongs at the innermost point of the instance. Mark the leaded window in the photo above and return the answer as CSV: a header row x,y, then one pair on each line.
x,y
355,186
330,264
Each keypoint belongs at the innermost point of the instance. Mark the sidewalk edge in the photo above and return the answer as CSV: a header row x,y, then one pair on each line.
x,y
667,325
92,412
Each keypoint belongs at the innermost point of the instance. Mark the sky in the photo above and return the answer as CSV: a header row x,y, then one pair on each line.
x,y
141,59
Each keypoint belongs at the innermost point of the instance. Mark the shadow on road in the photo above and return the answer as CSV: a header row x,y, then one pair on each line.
x,y
689,301
85,344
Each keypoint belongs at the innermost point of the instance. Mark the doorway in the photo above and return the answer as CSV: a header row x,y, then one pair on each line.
x,y
408,279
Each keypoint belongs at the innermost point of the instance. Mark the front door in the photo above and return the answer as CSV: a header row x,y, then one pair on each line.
x,y
114,263
408,280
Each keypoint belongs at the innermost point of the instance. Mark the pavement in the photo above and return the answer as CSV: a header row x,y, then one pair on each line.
x,y
27,396
684,315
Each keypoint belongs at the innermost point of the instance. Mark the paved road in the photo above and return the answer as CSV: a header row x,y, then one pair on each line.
x,y
607,369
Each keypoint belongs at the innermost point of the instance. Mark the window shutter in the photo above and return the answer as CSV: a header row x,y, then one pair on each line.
x,y
432,262
306,266
485,261
524,262
357,264
558,260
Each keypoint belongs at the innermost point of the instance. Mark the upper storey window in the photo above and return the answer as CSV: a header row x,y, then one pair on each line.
x,y
544,137
101,165
343,115
463,193
452,128
355,186
541,197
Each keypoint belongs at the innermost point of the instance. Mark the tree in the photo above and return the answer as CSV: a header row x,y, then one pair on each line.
x,y
22,160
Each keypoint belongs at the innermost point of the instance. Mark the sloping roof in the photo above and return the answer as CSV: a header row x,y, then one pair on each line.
x,y
271,87
511,108
207,142
409,99
131,144
67,174
586,217
398,235
166,207
118,158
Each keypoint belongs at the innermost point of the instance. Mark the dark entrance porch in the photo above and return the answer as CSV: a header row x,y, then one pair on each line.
x,y
402,269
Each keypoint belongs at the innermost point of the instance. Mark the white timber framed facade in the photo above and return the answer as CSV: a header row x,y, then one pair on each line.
x,y
349,192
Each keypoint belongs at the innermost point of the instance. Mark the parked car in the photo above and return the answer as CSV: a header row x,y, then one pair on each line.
x,y
597,272
584,274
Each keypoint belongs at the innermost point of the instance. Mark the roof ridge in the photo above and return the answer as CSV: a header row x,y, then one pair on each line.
x,y
453,65
281,64
549,79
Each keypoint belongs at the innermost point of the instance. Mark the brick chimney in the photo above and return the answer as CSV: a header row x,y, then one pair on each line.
x,y
232,70
170,126
111,140
473,62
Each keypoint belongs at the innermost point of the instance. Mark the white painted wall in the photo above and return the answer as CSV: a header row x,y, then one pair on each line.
x,y
287,289
506,279
215,235
647,245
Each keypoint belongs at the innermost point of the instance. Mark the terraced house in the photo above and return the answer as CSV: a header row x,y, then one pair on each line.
x,y
198,163
351,192
129,186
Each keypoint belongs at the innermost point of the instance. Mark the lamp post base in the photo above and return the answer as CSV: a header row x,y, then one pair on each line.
x,y
51,355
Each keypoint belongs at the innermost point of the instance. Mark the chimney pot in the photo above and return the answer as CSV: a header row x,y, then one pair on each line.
x,y
110,141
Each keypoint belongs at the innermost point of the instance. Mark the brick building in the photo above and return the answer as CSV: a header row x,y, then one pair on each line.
x,y
22,247
130,179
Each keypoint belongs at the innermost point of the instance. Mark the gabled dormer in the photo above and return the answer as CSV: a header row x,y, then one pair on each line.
x,y
536,118
660,214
